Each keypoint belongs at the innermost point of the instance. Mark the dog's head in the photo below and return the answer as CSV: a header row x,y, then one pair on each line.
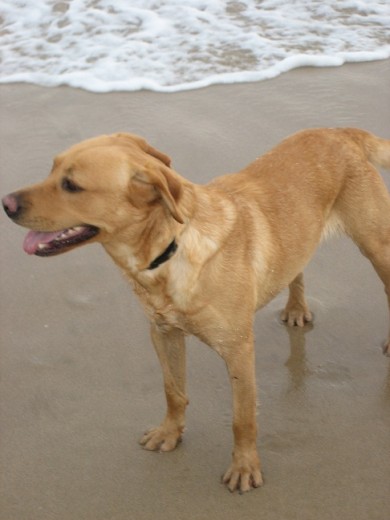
x,y
95,189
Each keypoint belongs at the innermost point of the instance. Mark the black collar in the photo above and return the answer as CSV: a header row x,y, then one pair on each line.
x,y
166,255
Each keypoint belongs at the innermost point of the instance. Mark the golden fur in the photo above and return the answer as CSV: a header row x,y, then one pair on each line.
x,y
241,239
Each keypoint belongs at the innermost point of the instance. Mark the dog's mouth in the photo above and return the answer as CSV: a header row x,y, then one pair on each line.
x,y
42,243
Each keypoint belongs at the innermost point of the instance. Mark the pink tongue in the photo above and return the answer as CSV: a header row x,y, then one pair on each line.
x,y
34,238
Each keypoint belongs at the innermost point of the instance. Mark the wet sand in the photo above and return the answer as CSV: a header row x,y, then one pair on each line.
x,y
79,378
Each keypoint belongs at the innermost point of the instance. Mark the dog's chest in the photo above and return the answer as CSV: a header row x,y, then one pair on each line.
x,y
161,309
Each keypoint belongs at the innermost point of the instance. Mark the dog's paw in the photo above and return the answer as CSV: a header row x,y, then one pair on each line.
x,y
163,438
243,476
298,316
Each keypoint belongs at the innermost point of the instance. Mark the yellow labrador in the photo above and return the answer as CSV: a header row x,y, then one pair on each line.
x,y
203,259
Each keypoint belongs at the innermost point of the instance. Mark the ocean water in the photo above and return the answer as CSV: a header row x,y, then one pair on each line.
x,y
172,45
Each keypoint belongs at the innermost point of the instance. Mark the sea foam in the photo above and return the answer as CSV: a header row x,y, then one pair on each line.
x,y
172,45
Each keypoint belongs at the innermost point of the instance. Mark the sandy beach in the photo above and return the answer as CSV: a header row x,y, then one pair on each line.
x,y
80,381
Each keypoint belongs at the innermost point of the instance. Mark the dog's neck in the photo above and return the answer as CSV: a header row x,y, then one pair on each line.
x,y
149,248
139,256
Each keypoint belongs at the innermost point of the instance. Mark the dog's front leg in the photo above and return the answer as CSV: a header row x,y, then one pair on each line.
x,y
170,348
244,472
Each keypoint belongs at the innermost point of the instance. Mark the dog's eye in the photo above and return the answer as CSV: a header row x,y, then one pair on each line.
x,y
70,186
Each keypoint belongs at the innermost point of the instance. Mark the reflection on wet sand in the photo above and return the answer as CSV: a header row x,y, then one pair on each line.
x,y
297,362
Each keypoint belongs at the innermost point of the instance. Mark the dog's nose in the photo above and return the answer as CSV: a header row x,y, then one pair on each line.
x,y
11,205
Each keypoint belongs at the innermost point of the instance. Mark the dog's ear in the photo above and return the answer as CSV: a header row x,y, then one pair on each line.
x,y
154,179
157,154
131,139
161,183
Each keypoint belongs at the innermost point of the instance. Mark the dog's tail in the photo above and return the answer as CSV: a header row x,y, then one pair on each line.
x,y
376,149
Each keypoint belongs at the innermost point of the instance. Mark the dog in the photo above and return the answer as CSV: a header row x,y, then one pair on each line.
x,y
203,258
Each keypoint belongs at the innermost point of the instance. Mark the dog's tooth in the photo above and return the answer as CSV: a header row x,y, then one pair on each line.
x,y
77,228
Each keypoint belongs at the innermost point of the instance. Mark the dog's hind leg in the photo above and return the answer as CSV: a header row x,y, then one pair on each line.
x,y
170,348
377,250
364,208
296,311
